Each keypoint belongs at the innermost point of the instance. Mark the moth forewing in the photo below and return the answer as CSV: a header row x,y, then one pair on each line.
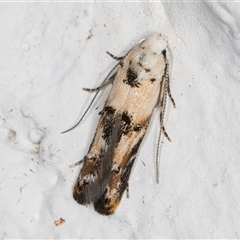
x,y
95,173
140,84
120,173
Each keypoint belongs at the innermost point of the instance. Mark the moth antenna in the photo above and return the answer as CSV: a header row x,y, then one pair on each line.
x,y
163,112
82,115
157,156
167,83
166,90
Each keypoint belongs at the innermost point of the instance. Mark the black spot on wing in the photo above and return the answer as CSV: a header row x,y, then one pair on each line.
x,y
126,124
137,128
131,78
153,80
108,110
116,170
126,118
107,122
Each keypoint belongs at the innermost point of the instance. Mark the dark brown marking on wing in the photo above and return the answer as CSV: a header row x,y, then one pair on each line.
x,y
126,125
153,80
107,110
116,171
131,78
126,122
107,122
137,128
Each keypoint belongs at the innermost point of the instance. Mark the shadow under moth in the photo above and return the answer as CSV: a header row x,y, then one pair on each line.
x,y
140,83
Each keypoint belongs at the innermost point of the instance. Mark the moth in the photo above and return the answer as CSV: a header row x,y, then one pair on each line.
x,y
140,83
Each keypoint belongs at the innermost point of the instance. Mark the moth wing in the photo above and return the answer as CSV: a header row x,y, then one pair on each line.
x,y
95,173
123,160
118,183
107,204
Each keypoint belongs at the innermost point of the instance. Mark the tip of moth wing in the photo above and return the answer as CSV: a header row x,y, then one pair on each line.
x,y
106,207
80,196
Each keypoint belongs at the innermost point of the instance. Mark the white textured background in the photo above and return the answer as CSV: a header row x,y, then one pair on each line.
x,y
49,51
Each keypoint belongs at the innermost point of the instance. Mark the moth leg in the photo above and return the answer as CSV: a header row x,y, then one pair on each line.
x,y
109,79
76,164
105,82
114,57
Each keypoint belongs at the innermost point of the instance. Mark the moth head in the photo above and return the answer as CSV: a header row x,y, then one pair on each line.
x,y
155,43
